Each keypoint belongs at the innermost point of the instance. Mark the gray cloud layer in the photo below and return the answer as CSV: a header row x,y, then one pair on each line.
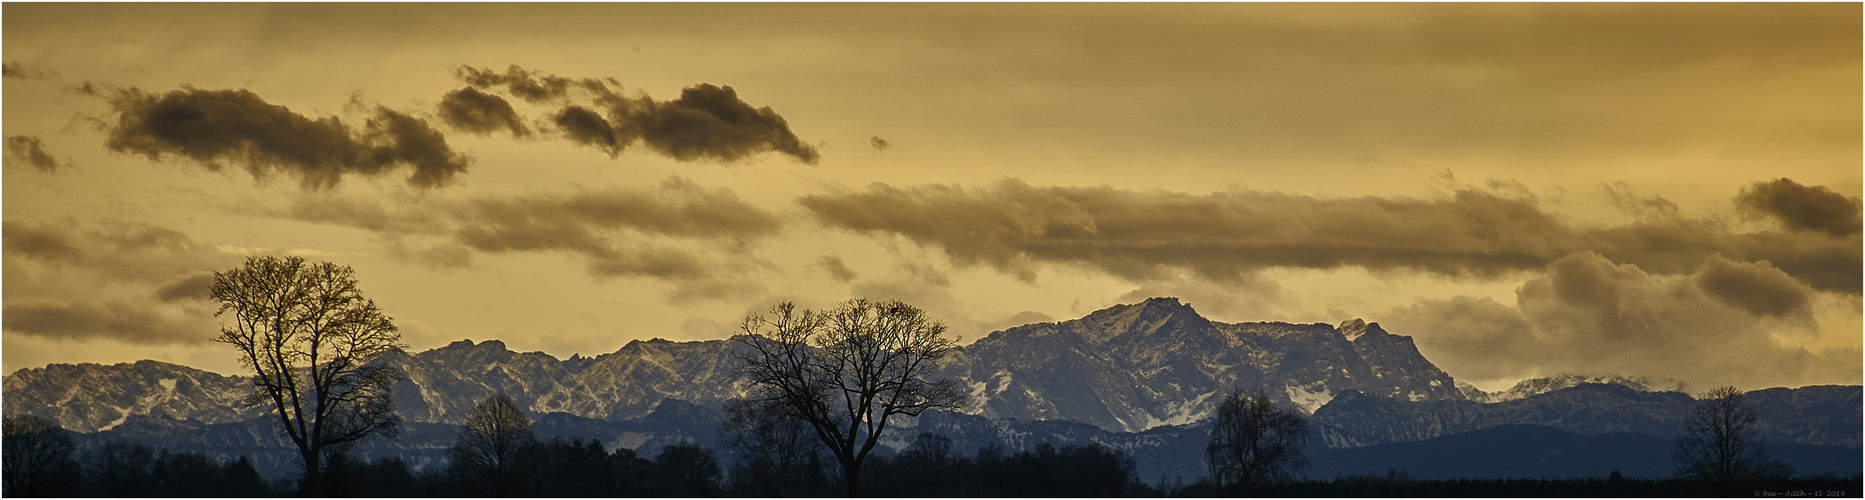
x,y
237,126
619,232
1589,316
1802,208
86,319
132,283
707,122
1227,236
31,150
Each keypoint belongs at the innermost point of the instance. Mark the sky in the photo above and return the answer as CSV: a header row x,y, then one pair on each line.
x,y
1667,191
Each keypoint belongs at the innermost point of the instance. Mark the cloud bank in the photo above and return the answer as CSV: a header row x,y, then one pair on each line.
x,y
1726,323
674,232
1228,236
1802,208
133,283
212,127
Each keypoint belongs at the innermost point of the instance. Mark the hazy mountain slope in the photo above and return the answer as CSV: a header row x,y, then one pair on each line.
x,y
1818,415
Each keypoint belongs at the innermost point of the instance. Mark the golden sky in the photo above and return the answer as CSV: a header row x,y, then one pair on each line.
x,y
1658,190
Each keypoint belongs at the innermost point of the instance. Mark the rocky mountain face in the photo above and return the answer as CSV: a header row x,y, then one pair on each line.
x,y
1126,368
1139,366
444,384
91,397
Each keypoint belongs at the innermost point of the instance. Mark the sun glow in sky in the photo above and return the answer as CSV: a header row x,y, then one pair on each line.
x,y
1658,190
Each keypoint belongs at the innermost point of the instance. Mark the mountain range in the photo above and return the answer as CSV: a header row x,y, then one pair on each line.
x,y
1138,377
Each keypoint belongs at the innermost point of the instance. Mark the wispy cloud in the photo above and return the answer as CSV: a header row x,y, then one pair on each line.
x,y
31,151
666,232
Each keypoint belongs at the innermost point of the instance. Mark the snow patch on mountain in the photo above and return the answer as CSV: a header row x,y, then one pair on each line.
x,y
1310,397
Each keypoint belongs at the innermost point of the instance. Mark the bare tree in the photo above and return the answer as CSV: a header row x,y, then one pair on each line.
x,y
776,451
308,334
1721,442
37,458
496,450
846,371
1253,443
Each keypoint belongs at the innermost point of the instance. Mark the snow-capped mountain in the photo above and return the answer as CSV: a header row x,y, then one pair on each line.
x,y
1544,385
91,397
1125,368
1138,366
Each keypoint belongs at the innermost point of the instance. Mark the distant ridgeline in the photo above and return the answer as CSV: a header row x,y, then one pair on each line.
x,y
1140,378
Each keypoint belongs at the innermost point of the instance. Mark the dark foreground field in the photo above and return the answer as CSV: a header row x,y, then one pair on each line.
x,y
1482,488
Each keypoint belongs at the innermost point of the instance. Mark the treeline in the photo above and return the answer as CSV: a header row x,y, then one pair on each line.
x,y
1396,485
41,460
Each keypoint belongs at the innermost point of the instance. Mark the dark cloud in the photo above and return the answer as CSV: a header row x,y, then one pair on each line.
x,y
1756,287
85,320
836,268
618,232
1802,208
584,126
194,287
878,143
1229,236
539,87
31,150
480,113
707,122
236,126
1590,316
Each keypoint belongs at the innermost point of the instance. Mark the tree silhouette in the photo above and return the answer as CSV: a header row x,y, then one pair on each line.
x,y
120,469
776,452
686,470
846,371
308,334
36,457
1721,442
496,452
1253,443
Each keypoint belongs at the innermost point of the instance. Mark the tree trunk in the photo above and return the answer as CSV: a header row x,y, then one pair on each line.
x,y
313,483
853,476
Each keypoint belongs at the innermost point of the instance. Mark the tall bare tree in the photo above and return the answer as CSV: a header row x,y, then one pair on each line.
x,y
496,451
846,371
308,334
1721,442
1254,443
